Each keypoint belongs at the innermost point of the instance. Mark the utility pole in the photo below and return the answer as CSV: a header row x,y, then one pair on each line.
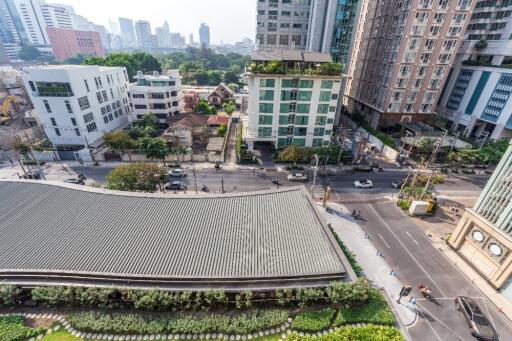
x,y
432,161
222,185
405,183
195,180
327,194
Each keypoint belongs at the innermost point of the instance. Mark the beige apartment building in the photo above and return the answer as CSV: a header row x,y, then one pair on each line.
x,y
402,54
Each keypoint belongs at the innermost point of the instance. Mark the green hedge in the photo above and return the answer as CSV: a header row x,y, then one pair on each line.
x,y
95,322
376,311
351,257
366,333
13,328
313,321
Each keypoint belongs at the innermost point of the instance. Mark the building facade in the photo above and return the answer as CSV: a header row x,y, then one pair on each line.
x,y
158,94
476,99
401,56
127,29
56,15
12,31
78,104
293,105
204,35
33,20
67,43
282,24
163,35
143,33
483,236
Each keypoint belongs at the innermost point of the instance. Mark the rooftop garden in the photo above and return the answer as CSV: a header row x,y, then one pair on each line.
x,y
296,68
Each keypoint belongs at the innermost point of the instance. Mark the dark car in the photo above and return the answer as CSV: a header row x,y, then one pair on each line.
x,y
175,186
30,176
397,183
479,325
80,180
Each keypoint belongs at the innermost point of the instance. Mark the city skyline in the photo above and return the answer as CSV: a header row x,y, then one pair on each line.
x,y
184,18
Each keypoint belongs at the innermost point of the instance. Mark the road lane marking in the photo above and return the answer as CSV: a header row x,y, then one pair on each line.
x,y
428,322
407,250
384,240
414,240
441,322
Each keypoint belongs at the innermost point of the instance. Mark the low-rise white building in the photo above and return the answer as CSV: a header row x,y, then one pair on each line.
x,y
158,94
77,104
293,98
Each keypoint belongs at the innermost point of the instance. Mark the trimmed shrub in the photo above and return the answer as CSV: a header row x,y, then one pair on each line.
x,y
349,294
13,328
96,322
313,321
351,257
366,333
375,311
404,204
9,295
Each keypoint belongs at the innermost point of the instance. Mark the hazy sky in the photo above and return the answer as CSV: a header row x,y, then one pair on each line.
x,y
229,20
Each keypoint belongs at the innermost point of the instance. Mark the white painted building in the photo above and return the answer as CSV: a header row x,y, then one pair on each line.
x,y
476,98
34,23
56,15
78,104
158,94
294,106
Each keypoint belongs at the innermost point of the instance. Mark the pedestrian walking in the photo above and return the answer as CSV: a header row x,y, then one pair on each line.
x,y
353,213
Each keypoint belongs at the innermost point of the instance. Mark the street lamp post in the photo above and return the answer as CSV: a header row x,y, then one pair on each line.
x,y
314,174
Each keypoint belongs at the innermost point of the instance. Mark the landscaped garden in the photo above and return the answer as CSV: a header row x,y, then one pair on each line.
x,y
13,328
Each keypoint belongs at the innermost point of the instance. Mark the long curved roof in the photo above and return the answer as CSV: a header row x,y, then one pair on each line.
x,y
69,234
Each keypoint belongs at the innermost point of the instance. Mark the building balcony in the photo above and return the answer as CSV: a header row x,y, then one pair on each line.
x,y
290,68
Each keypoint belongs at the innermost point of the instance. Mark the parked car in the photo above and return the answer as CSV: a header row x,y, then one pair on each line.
x,y
363,183
30,176
297,177
175,186
479,325
80,180
397,183
177,173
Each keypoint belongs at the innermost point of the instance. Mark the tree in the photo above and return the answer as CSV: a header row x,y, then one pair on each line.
x,y
136,177
201,77
120,141
222,130
291,153
231,77
214,77
426,145
29,52
9,295
139,61
154,148
229,107
203,107
76,59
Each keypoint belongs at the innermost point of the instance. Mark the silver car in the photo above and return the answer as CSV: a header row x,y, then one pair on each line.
x,y
479,325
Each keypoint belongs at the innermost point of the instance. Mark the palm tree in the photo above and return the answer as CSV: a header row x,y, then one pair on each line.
x,y
292,153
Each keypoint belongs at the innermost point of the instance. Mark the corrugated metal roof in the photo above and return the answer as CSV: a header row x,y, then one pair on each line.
x,y
317,57
45,227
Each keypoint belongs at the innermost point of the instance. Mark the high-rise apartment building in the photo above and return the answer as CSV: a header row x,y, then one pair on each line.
x,y
67,43
143,33
12,31
476,99
331,27
158,94
282,24
163,35
401,56
204,35
483,236
32,17
56,15
78,104
128,36
293,98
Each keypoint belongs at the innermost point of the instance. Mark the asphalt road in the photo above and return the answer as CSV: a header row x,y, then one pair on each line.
x,y
411,254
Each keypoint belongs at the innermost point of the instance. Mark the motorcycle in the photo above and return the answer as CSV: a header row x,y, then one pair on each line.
x,y
426,292
205,189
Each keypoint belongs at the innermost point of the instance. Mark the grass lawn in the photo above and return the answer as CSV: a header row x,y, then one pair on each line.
x,y
62,335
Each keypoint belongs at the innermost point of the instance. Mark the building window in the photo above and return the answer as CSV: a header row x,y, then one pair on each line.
x,y
306,83
105,96
319,132
91,127
138,96
304,96
326,84
96,81
267,83
323,108
300,120
325,96
57,131
100,99
320,121
303,108
47,106
298,131
283,39
265,120
105,119
86,85
32,86
266,95
73,121
83,102
77,132
290,83
68,106
54,123
264,132
271,39
158,96
266,108
88,117
140,106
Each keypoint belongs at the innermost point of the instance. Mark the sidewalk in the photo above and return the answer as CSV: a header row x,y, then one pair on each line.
x,y
375,267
